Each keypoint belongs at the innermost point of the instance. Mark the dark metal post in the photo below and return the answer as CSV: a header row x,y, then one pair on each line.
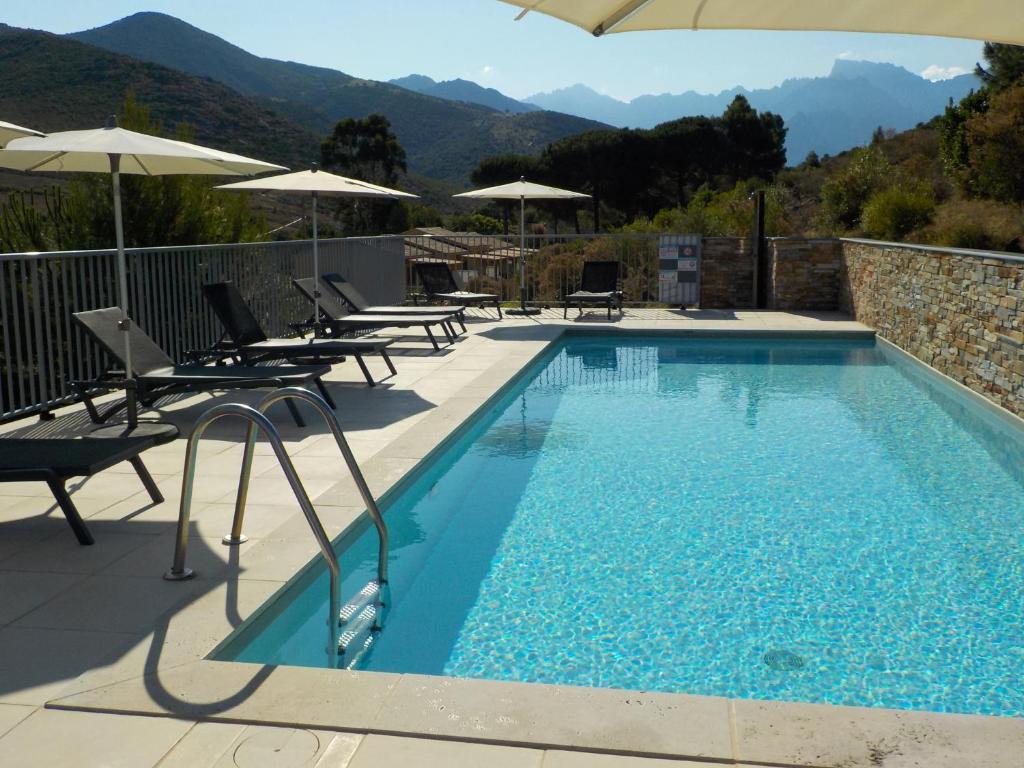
x,y
760,253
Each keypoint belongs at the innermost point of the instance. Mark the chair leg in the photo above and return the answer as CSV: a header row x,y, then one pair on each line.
x,y
67,506
299,421
497,306
609,309
325,394
449,328
462,320
432,339
147,479
565,310
387,359
362,366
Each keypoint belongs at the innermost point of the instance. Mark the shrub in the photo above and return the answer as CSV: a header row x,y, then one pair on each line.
x,y
894,213
982,224
844,195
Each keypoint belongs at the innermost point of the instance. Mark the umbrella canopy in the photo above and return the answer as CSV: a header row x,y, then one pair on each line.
x,y
996,20
139,154
315,182
115,151
522,191
9,131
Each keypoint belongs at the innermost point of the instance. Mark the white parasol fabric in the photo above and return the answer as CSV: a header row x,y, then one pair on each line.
x,y
995,20
10,131
522,191
315,182
115,151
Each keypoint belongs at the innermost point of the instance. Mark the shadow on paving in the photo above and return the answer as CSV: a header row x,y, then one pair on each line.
x,y
29,667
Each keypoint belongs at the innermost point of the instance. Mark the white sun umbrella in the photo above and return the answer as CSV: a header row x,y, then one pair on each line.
x,y
315,183
996,20
10,131
115,151
522,191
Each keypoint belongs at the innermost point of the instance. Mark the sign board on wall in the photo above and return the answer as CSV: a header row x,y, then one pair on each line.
x,y
679,269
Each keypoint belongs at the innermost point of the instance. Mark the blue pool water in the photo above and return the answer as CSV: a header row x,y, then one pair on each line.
x,y
773,519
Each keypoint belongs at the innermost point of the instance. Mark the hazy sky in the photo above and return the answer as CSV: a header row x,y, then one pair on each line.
x,y
478,40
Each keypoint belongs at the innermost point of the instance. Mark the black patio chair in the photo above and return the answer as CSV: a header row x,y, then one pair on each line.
x,y
599,284
439,283
355,299
246,341
55,460
155,375
337,318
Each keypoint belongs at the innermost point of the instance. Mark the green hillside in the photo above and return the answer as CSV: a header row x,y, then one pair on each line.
x,y
53,83
443,139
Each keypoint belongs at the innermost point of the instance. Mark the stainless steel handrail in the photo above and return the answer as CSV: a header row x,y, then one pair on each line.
x,y
257,420
297,393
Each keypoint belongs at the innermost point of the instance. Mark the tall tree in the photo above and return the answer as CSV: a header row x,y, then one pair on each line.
x,y
503,169
366,148
1005,66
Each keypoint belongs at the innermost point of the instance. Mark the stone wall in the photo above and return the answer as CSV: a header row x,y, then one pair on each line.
x,y
804,275
960,312
727,273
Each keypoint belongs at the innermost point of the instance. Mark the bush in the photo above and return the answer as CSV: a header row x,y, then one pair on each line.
x,y
981,224
844,195
894,213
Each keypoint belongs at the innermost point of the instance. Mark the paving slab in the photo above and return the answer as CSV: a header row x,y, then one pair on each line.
x,y
393,752
76,739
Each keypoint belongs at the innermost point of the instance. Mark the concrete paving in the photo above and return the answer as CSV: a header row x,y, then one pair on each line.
x,y
102,662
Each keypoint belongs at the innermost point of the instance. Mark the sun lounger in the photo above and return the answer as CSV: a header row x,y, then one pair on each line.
x,y
439,283
156,375
54,461
598,285
338,318
351,295
246,341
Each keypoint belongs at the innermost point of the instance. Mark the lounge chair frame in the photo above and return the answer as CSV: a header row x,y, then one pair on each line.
x,y
155,375
599,284
355,299
336,318
439,284
245,341
56,460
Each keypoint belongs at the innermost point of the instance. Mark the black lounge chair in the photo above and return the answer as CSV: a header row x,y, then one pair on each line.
x,y
54,461
359,304
246,341
156,375
439,283
598,285
337,318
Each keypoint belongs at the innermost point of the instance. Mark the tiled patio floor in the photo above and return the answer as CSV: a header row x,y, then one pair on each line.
x,y
74,620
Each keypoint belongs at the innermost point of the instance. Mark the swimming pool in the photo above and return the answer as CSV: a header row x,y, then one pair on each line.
x,y
779,519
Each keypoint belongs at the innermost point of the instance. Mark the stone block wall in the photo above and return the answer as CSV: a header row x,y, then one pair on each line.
x,y
727,273
804,275
960,312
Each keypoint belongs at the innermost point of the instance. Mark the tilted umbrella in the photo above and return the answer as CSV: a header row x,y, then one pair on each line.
x,y
10,131
116,151
522,191
315,182
995,20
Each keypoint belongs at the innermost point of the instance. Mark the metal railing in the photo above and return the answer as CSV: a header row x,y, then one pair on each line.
x,y
258,422
41,348
554,263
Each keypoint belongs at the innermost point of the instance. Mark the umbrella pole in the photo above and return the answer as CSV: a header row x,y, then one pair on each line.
x,y
316,274
122,292
522,254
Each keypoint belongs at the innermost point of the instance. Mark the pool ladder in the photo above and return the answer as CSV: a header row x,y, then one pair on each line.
x,y
352,628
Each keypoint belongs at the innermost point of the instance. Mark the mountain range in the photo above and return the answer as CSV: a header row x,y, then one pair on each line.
x,y
443,139
825,114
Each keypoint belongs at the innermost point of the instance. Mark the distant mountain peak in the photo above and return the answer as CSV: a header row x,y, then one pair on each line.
x,y
463,90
